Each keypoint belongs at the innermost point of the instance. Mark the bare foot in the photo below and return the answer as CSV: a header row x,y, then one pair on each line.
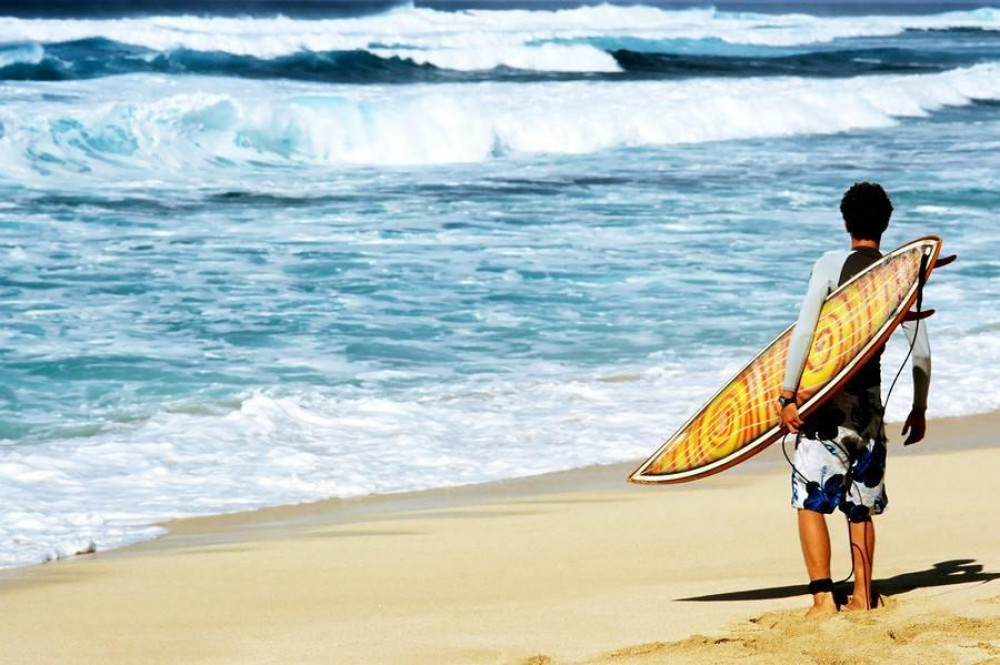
x,y
823,605
856,603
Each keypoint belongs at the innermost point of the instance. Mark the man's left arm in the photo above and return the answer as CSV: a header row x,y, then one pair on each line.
x,y
916,335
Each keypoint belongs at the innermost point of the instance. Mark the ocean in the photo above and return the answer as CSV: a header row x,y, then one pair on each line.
x,y
263,253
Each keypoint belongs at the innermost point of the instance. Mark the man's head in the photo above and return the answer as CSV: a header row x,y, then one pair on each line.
x,y
866,209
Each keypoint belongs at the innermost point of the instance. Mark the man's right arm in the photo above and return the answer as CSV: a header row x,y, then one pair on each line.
x,y
805,325
820,284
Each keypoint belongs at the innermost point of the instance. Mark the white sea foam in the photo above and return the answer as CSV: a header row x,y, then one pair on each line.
x,y
28,53
74,495
144,124
80,494
482,38
544,57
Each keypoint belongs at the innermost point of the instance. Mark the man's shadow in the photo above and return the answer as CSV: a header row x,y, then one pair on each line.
x,y
956,571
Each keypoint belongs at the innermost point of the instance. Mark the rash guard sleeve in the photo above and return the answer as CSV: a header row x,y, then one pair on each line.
x,y
917,336
824,278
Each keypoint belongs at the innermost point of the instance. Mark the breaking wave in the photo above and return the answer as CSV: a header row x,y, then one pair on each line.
x,y
142,123
395,45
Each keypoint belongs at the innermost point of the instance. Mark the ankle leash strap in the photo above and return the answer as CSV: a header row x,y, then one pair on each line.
x,y
824,585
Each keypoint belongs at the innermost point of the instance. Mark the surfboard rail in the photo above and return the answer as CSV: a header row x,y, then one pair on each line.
x,y
930,248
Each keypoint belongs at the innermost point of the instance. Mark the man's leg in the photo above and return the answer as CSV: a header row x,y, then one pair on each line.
x,y
863,553
816,550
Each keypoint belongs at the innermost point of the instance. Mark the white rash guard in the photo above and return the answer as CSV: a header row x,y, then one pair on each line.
x,y
830,271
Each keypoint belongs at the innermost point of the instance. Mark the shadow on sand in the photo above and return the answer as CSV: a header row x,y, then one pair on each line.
x,y
944,573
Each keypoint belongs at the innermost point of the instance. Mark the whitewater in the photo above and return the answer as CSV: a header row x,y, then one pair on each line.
x,y
99,129
258,261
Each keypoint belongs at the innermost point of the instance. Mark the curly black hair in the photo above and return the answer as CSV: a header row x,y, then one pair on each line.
x,y
866,209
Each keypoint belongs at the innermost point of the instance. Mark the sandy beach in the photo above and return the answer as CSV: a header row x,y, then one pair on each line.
x,y
575,567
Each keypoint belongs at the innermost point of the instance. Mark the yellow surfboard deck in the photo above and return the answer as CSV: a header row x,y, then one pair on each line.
x,y
742,418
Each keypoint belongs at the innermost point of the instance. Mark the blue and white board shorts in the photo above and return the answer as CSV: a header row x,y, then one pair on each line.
x,y
838,467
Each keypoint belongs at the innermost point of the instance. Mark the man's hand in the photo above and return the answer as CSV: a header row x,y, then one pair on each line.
x,y
916,425
789,416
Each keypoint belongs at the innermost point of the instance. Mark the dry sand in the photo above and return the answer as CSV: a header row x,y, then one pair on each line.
x,y
575,567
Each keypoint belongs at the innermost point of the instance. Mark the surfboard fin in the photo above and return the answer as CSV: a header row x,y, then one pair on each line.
x,y
945,260
918,316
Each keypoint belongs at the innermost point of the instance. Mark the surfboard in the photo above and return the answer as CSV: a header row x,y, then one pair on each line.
x,y
741,419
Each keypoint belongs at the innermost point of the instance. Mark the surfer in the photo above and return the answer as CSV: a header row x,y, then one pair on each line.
x,y
840,453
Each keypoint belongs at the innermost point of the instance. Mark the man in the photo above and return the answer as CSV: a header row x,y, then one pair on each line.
x,y
840,454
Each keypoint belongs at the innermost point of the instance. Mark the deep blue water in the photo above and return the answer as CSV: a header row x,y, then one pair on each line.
x,y
915,51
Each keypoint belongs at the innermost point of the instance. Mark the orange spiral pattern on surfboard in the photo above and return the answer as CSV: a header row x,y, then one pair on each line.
x,y
746,408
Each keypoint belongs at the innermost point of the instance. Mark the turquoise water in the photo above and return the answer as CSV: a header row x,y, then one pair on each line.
x,y
221,292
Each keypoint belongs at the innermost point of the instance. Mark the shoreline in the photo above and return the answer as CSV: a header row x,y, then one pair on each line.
x,y
946,433
574,565
215,526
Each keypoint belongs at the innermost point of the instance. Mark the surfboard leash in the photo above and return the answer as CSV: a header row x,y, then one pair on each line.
x,y
880,432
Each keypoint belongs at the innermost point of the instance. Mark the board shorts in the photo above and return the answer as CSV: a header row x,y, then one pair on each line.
x,y
839,460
